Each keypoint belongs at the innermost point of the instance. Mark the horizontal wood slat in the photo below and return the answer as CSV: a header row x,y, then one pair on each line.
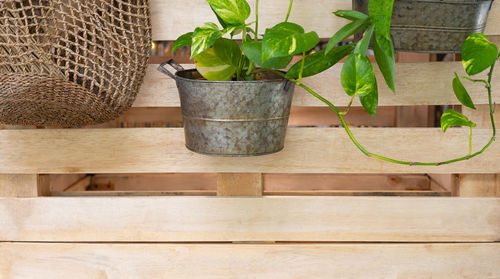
x,y
321,261
416,84
307,150
175,17
188,219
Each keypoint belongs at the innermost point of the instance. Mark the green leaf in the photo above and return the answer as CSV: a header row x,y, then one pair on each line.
x,y
362,46
231,12
182,41
210,25
370,101
287,39
219,62
383,49
203,38
461,93
478,54
319,62
452,118
253,50
224,25
351,14
380,12
346,31
357,76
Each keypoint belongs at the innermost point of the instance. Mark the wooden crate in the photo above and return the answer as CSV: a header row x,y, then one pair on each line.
x,y
109,202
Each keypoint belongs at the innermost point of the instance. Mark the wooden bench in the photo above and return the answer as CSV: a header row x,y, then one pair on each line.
x,y
70,208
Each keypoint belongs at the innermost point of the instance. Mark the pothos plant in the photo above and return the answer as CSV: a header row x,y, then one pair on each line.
x,y
219,57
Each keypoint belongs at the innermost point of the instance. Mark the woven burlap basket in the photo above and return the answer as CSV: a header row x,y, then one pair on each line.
x,y
71,62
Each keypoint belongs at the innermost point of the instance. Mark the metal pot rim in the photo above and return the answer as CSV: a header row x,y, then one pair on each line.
x,y
177,76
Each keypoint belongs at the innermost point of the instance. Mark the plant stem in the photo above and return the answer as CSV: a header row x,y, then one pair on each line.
x,y
348,106
251,66
470,141
240,63
302,66
256,20
289,10
373,155
476,80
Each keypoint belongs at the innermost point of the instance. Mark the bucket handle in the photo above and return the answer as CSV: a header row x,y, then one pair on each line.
x,y
173,64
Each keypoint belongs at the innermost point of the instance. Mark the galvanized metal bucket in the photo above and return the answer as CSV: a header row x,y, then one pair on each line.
x,y
434,26
233,118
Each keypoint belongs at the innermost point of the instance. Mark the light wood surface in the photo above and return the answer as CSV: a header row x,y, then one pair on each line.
x,y
239,184
24,185
307,150
479,185
211,261
416,84
272,182
481,115
163,219
175,17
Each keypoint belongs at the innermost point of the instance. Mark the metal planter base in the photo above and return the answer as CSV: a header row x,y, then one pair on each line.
x,y
234,118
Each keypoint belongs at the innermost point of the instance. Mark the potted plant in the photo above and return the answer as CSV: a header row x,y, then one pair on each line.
x,y
228,70
435,26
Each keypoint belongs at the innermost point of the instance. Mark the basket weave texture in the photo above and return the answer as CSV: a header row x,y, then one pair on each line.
x,y
71,62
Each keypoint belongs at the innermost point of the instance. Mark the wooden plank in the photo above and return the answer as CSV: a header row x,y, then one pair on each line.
x,y
63,181
306,183
291,261
80,185
339,193
159,182
276,182
195,219
481,115
357,116
24,185
412,193
239,184
479,185
307,150
416,84
415,116
175,17
134,193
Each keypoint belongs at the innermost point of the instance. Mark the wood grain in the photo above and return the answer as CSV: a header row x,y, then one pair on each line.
x,y
175,17
307,150
24,185
239,184
479,185
293,261
416,84
481,115
166,219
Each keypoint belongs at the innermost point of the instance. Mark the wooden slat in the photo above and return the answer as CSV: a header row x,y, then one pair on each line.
x,y
239,184
24,185
416,84
134,193
159,182
481,115
275,182
293,261
175,17
479,185
307,150
337,193
166,219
